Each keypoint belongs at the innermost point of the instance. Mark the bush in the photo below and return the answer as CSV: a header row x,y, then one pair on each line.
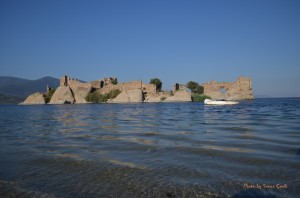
x,y
96,97
114,81
199,97
113,93
92,97
48,95
163,98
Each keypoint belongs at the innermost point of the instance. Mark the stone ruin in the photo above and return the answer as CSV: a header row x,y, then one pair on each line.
x,y
72,90
239,90
179,87
104,82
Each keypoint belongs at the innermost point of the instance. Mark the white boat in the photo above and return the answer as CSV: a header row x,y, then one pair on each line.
x,y
219,102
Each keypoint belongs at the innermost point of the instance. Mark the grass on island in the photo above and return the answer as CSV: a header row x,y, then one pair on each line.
x,y
96,97
199,97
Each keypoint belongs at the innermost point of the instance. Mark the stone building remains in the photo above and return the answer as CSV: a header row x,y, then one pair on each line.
x,y
238,90
72,90
76,91
179,87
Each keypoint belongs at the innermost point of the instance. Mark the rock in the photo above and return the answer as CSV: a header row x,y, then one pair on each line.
x,y
62,95
153,99
157,97
36,98
80,92
179,96
128,96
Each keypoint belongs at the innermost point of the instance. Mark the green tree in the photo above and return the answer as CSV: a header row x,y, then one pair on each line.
x,y
194,87
157,82
200,90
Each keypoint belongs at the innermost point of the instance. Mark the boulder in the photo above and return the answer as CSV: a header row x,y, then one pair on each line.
x,y
62,95
80,91
128,96
36,98
153,99
179,96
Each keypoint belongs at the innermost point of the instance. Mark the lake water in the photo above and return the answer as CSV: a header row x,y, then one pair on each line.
x,y
151,150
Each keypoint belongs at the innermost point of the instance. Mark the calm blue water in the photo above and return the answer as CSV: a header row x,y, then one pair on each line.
x,y
151,150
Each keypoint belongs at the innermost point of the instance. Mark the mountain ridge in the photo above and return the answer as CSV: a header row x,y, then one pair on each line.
x,y
14,89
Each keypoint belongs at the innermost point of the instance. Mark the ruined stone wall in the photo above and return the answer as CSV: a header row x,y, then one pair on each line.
x,y
104,82
79,89
149,88
131,85
121,86
239,90
179,87
72,82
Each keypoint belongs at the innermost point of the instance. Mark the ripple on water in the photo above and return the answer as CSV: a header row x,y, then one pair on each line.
x,y
150,150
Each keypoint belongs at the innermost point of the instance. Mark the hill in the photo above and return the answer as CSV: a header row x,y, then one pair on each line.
x,y
7,99
14,90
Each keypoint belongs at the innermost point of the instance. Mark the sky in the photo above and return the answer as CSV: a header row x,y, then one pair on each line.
x,y
174,40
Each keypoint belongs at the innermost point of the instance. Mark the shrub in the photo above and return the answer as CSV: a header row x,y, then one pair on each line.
x,y
103,98
163,98
114,93
92,97
199,97
96,97
114,81
48,95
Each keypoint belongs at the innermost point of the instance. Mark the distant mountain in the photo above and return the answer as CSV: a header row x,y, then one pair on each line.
x,y
7,80
15,89
7,99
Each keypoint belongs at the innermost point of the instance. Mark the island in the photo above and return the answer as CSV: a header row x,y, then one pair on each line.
x,y
109,90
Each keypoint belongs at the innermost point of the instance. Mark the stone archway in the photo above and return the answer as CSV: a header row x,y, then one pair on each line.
x,y
224,91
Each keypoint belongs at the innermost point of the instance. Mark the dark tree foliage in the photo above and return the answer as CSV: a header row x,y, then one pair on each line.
x,y
96,97
48,95
194,87
114,81
157,82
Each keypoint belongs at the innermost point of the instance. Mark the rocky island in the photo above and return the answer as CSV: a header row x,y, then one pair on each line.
x,y
74,91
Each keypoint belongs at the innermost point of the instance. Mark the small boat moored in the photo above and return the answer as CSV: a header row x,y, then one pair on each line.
x,y
219,102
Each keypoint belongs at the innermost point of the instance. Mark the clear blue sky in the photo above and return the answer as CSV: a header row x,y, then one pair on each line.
x,y
176,41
